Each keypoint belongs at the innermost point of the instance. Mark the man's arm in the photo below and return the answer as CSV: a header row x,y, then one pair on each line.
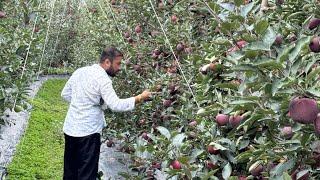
x,y
112,101
67,91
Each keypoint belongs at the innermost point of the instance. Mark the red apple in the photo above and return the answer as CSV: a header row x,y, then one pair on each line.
x,y
180,47
156,165
208,67
176,164
315,44
145,136
279,2
287,132
213,150
222,119
137,68
110,143
242,177
157,52
192,135
160,5
165,117
130,40
93,10
174,18
173,89
188,50
241,43
126,34
278,40
257,170
193,123
167,103
314,22
210,165
303,110
36,29
154,56
235,120
142,121
2,14
138,29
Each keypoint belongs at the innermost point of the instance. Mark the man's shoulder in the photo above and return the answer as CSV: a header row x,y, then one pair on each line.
x,y
79,70
99,75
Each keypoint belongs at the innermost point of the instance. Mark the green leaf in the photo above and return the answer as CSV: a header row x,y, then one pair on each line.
x,y
258,45
221,41
233,178
286,176
313,74
214,6
164,131
235,56
296,66
178,139
267,40
314,92
300,44
276,85
125,175
243,144
238,2
226,172
229,26
246,9
196,153
248,122
309,65
285,53
228,143
228,6
295,141
210,175
269,37
261,26
242,102
251,54
268,64
201,111
244,157
282,167
246,67
227,86
218,146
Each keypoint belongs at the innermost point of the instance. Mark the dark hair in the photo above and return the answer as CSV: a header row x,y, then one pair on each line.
x,y
110,53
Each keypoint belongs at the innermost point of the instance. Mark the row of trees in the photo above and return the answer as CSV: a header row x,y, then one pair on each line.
x,y
36,38
226,77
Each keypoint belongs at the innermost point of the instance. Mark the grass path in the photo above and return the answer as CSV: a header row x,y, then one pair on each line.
x,y
39,154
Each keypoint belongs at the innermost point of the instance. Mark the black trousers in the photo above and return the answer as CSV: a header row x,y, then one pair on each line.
x,y
81,157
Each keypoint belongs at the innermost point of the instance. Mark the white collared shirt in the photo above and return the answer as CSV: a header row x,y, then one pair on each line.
x,y
83,91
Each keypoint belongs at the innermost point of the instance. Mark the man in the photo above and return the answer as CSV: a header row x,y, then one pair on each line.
x,y
85,118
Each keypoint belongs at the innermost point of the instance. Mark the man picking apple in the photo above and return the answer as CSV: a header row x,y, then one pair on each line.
x,y
85,118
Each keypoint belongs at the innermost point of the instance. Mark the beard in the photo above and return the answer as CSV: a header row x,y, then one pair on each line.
x,y
111,72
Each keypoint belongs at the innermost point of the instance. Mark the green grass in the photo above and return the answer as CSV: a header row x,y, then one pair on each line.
x,y
39,154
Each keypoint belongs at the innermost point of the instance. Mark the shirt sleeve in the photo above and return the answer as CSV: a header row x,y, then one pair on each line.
x,y
112,101
67,91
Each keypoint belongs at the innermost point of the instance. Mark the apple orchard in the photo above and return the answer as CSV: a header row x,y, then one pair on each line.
x,y
237,81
